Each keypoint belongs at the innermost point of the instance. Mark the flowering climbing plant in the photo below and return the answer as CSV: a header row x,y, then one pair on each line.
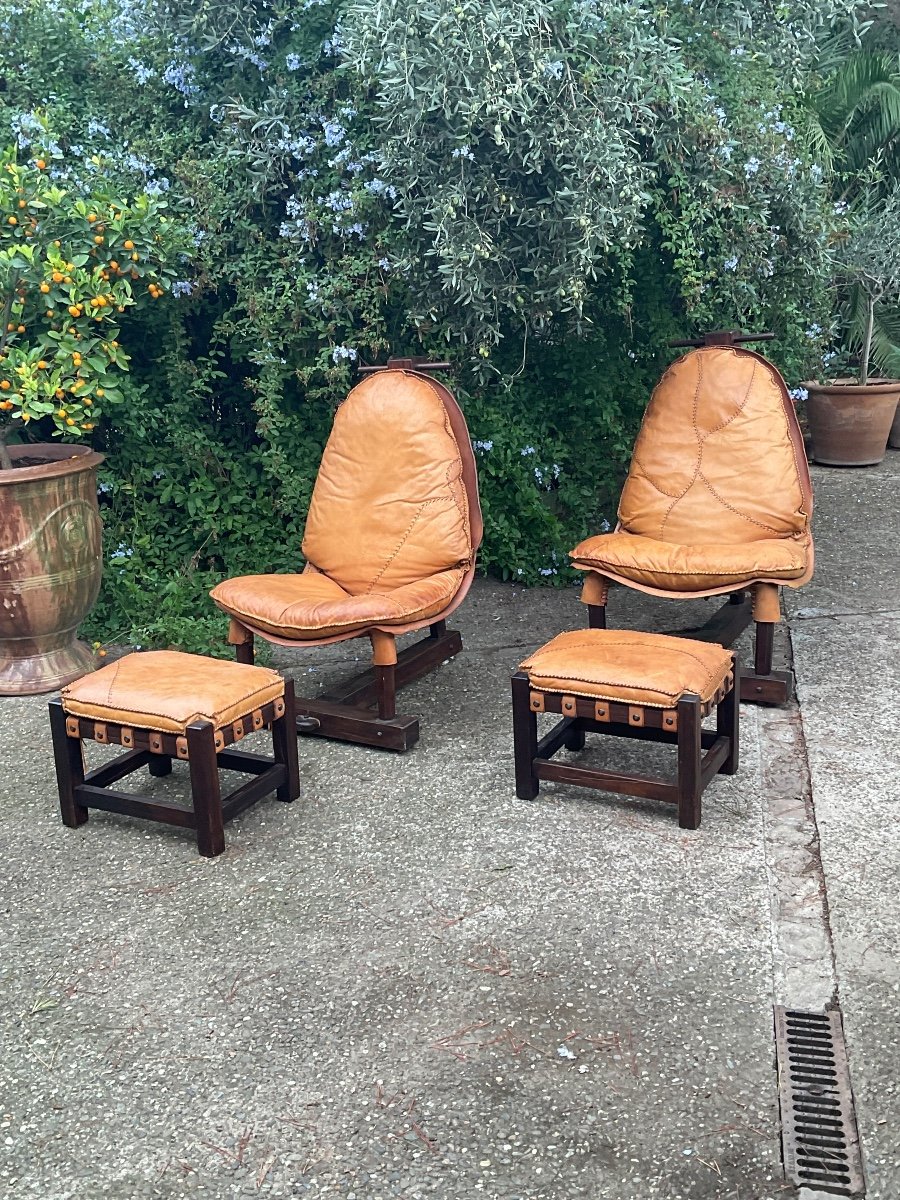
x,y
70,265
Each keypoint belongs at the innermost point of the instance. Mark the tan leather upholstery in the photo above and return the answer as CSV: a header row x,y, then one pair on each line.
x,y
633,668
393,524
312,605
166,691
718,492
669,567
389,506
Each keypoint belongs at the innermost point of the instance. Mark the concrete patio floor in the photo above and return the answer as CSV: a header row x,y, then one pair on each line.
x,y
409,983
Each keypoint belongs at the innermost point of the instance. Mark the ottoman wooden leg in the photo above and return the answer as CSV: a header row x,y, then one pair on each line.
x,y
728,723
574,739
160,765
525,740
68,755
207,797
284,741
690,784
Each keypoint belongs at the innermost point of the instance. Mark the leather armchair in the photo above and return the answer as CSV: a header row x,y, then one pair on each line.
x,y
717,500
390,543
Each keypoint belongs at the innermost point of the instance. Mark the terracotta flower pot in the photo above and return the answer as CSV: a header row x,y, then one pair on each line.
x,y
51,561
849,422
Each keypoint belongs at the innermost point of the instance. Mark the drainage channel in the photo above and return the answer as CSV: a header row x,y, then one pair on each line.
x,y
820,1141
819,1136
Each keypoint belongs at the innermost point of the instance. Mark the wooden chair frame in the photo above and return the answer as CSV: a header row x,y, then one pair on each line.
x,y
362,709
679,726
762,685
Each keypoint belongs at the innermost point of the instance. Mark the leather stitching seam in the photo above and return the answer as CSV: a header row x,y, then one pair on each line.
x,y
668,511
737,512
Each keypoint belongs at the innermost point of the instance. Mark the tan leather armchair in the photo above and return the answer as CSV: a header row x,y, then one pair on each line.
x,y
390,543
717,501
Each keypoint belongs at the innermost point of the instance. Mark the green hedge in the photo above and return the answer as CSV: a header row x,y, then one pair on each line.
x,y
548,215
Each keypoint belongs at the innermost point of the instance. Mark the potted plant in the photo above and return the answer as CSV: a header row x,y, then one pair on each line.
x,y
850,418
71,262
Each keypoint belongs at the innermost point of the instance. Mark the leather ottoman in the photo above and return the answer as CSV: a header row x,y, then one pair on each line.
x,y
164,705
637,685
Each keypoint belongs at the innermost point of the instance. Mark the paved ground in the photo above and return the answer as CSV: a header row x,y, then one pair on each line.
x,y
409,983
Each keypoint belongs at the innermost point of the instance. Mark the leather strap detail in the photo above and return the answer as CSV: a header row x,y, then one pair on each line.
x,y
536,702
766,603
384,648
72,727
635,715
181,747
670,721
238,634
569,706
595,589
601,712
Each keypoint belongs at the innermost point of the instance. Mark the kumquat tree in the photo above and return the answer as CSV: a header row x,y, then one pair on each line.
x,y
70,265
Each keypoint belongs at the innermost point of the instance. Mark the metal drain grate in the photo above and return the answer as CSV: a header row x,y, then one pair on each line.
x,y
819,1138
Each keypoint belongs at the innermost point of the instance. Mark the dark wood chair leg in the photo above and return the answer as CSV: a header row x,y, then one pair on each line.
x,y
689,773
386,682
736,597
596,616
207,797
525,740
284,742
438,629
69,759
728,723
765,642
160,765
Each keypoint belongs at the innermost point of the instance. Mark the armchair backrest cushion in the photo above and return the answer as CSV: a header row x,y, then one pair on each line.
x,y
390,505
719,458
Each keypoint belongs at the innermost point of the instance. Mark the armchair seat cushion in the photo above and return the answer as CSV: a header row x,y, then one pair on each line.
x,y
311,606
669,567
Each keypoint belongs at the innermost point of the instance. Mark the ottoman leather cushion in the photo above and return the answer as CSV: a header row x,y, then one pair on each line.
x,y
166,691
633,668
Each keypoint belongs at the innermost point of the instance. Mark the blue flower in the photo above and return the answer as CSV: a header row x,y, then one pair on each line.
x,y
343,352
141,71
182,287
293,62
484,446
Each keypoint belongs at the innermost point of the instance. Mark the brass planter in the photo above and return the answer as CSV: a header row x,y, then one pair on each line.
x,y
849,422
51,562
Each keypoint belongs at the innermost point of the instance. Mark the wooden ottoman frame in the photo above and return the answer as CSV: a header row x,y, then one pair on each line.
x,y
202,746
679,726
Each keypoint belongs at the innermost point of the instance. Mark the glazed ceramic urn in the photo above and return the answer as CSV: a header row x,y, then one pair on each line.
x,y
51,562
